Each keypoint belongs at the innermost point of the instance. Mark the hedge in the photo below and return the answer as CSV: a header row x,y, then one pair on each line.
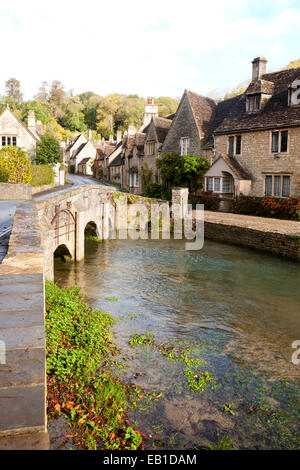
x,y
4,175
17,163
288,208
42,175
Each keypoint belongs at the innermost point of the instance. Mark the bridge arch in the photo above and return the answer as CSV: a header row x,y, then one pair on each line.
x,y
62,252
92,230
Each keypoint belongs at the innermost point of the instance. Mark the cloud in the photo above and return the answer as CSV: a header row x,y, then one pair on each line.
x,y
121,47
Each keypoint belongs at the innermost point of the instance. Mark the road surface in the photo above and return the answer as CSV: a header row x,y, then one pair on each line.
x,y
7,208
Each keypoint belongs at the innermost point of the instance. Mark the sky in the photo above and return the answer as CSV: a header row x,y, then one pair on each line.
x,y
153,48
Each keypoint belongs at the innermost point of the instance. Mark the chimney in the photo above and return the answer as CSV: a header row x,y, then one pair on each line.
x,y
131,131
39,127
119,136
31,120
259,66
151,110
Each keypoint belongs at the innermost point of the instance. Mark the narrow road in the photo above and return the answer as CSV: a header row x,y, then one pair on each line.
x,y
7,208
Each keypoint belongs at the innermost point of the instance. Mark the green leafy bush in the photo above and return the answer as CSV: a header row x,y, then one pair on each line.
x,y
16,162
42,175
4,175
157,191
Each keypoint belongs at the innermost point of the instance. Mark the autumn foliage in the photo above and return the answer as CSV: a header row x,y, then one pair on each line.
x,y
288,208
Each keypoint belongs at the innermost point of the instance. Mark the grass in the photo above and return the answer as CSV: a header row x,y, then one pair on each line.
x,y
81,386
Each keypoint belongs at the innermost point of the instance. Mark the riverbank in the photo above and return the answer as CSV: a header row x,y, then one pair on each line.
x,y
80,381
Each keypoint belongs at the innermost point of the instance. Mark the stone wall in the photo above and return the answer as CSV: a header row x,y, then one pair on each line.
x,y
23,422
10,191
280,237
257,157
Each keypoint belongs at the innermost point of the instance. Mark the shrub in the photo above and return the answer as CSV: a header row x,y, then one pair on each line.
x,y
288,209
16,162
4,175
42,175
157,191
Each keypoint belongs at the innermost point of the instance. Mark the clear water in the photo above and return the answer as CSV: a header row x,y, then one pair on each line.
x,y
237,309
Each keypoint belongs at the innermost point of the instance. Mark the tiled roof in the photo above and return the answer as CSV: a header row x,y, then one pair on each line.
x,y
72,143
162,126
83,161
203,109
276,112
116,161
78,150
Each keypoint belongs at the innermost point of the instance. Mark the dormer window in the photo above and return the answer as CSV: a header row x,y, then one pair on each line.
x,y
294,94
253,102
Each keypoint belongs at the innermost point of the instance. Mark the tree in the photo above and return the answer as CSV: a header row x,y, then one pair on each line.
x,y
179,170
13,90
166,105
57,99
43,92
47,150
293,64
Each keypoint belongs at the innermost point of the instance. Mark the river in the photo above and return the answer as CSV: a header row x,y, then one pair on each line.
x,y
236,309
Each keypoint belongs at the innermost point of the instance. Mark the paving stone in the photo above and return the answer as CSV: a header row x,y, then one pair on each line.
x,y
22,407
21,338
33,441
23,367
21,301
21,318
10,284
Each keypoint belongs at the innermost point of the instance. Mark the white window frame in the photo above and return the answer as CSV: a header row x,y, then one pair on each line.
x,y
184,146
6,137
221,178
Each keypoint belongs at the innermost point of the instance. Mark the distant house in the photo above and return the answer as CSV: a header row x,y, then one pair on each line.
x,y
104,150
256,137
134,161
14,132
81,155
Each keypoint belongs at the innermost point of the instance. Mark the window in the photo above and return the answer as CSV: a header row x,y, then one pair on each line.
x,y
135,180
8,140
218,184
277,185
231,145
280,141
184,146
151,148
238,144
209,184
253,103
235,143
226,186
130,180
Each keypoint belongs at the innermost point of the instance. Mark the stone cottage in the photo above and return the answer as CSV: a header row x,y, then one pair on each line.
x,y
14,132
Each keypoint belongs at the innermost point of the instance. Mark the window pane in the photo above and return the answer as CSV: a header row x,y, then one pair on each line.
x,y
286,186
8,141
238,144
275,139
14,142
226,184
217,185
3,141
268,185
209,183
277,182
284,141
231,145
